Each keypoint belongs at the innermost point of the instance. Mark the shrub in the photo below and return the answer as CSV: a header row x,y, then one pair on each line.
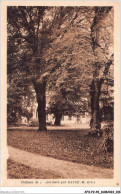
x,y
108,136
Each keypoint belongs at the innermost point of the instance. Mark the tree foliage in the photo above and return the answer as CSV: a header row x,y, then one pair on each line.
x,y
102,44
68,50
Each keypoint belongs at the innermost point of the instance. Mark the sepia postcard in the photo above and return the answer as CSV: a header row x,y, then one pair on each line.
x,y
60,94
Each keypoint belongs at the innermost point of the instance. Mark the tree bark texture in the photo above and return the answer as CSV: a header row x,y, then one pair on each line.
x,y
95,94
58,119
40,89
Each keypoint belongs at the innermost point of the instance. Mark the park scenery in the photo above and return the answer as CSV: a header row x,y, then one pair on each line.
x,y
60,92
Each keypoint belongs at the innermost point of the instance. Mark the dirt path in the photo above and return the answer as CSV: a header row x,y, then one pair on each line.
x,y
64,169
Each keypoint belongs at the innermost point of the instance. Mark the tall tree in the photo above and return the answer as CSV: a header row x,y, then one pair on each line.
x,y
72,52
102,45
29,30
66,94
23,32
67,101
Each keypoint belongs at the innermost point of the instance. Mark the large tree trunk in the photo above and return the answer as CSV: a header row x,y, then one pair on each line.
x,y
58,119
40,89
95,94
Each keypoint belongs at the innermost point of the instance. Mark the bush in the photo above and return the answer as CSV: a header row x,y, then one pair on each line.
x,y
105,138
108,137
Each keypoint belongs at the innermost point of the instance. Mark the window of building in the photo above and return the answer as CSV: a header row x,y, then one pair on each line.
x,y
62,118
47,117
69,118
83,116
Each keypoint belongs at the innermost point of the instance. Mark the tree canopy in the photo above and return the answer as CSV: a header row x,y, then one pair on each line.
x,y
65,49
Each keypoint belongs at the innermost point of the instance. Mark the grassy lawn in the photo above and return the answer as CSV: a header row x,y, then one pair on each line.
x,y
19,171
68,145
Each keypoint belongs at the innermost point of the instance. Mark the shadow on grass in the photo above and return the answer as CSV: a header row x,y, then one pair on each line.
x,y
84,131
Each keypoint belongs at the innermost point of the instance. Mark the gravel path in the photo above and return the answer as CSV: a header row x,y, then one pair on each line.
x,y
64,169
